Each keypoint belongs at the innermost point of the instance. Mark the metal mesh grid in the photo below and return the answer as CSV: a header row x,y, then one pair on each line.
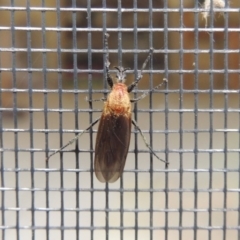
x,y
52,58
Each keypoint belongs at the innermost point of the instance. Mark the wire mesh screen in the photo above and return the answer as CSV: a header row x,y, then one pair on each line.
x,y
53,56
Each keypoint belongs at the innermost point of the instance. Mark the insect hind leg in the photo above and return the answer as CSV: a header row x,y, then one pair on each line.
x,y
73,140
147,144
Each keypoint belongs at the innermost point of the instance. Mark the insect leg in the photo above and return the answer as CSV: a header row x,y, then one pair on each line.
x,y
147,92
96,100
147,144
74,139
134,84
107,63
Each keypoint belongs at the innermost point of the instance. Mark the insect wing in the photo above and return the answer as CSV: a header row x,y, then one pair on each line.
x,y
112,146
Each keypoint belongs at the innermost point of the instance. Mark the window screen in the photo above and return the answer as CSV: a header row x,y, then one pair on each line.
x,y
52,57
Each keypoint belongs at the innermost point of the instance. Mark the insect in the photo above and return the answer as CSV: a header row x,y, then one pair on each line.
x,y
114,131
